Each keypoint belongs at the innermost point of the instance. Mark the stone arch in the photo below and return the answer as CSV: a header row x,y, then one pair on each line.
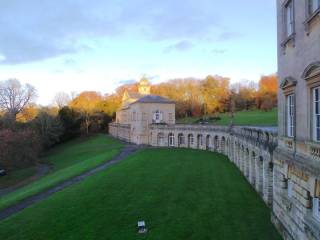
x,y
260,175
171,140
208,142
190,140
223,144
199,140
160,139
216,143
181,140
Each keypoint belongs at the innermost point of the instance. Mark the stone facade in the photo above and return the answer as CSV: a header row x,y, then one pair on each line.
x,y
296,206
138,111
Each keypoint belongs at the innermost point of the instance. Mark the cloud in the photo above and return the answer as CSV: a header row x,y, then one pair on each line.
x,y
127,81
70,62
218,51
226,36
181,46
2,57
36,30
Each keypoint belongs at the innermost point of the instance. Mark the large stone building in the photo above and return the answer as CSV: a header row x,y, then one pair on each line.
x,y
296,206
283,166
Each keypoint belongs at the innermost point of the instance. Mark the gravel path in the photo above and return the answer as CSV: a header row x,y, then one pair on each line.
x,y
126,151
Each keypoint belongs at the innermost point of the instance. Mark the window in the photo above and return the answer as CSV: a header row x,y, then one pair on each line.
x,y
157,116
316,208
181,139
290,115
200,142
290,188
289,18
190,140
316,114
313,6
171,140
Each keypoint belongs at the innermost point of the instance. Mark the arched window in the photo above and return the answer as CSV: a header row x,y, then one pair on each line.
x,y
223,144
190,140
208,142
216,143
199,140
171,140
181,140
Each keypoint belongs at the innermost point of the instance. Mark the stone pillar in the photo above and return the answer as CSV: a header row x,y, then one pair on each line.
x,y
267,181
247,162
253,169
243,161
259,175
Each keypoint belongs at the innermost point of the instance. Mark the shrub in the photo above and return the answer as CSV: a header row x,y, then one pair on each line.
x,y
18,149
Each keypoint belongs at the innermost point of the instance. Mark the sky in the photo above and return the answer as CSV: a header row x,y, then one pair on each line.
x,y
97,45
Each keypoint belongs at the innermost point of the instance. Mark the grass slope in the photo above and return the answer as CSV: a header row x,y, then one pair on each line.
x,y
68,160
181,194
247,118
18,176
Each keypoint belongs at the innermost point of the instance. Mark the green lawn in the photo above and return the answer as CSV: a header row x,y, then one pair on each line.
x,y
180,193
247,118
68,160
17,176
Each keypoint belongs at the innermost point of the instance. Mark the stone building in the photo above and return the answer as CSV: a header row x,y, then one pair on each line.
x,y
138,111
296,207
283,166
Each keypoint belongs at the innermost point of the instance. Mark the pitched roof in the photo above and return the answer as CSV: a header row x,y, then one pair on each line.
x,y
134,95
153,99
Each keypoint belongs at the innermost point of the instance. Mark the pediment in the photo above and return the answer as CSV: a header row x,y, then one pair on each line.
x,y
311,71
288,82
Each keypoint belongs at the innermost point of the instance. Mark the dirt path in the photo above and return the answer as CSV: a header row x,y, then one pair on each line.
x,y
126,151
42,169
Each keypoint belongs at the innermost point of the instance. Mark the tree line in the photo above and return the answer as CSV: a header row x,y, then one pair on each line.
x,y
27,129
209,96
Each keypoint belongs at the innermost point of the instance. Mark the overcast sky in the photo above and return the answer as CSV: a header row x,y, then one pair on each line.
x,y
76,45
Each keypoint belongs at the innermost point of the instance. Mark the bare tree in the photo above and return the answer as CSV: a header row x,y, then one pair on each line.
x,y
61,99
14,97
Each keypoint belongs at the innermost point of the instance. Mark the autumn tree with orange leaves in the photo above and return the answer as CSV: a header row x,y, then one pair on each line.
x,y
267,94
86,103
